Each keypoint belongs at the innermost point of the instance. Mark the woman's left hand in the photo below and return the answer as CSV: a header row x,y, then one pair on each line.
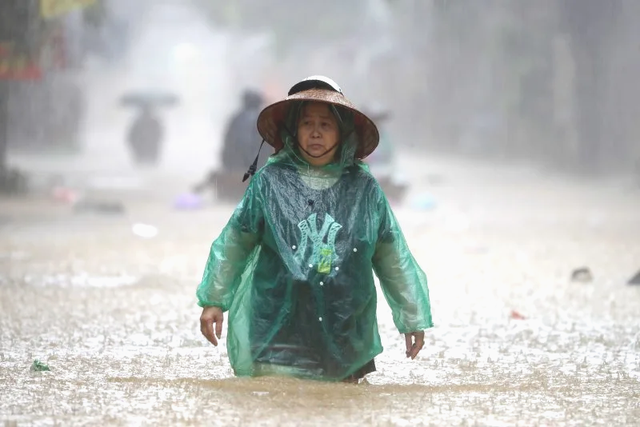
x,y
415,342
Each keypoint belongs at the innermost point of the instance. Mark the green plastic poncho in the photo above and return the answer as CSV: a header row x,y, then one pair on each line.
x,y
294,268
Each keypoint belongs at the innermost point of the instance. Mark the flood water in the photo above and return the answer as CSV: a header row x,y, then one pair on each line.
x,y
516,342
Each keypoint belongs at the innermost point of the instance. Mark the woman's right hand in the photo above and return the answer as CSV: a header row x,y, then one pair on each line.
x,y
209,316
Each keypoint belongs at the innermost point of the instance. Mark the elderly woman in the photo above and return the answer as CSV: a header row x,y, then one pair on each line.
x,y
294,265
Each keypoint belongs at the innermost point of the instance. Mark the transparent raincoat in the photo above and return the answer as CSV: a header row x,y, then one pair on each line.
x,y
294,267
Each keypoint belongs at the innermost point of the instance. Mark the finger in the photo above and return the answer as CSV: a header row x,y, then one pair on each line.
x,y
219,320
409,342
207,331
417,346
206,327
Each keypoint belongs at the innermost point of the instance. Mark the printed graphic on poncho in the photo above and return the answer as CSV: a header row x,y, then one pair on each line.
x,y
323,242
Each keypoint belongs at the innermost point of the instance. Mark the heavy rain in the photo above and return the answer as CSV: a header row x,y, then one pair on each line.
x,y
509,152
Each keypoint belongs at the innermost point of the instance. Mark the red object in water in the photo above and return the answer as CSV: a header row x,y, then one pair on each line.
x,y
64,195
516,316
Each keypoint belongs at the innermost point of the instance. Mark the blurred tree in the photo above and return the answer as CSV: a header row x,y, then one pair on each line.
x,y
32,45
525,58
591,25
18,49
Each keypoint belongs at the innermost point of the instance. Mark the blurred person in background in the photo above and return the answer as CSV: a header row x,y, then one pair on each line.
x,y
241,137
145,136
382,162
294,265
240,141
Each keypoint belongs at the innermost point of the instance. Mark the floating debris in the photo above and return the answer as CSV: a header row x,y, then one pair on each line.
x,y
516,315
38,366
188,201
582,274
145,231
424,202
99,206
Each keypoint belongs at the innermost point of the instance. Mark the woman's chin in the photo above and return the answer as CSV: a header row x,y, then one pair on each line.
x,y
317,150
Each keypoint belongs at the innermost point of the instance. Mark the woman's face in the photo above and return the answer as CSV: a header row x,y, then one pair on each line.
x,y
318,132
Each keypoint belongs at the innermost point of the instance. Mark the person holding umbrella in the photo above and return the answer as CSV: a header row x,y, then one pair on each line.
x,y
145,137
146,133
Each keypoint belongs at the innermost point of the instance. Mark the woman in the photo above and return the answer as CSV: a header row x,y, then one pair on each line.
x,y
294,265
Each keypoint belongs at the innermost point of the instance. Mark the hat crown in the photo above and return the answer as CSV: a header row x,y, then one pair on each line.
x,y
315,82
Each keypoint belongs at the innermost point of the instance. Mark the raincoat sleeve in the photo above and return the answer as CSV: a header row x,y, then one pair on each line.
x,y
403,282
231,251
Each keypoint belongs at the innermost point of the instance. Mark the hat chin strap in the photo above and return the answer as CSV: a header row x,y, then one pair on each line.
x,y
317,156
254,165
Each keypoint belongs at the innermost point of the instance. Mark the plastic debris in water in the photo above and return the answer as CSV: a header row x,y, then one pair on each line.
x,y
97,206
582,275
424,202
516,316
188,201
144,230
65,195
38,366
635,280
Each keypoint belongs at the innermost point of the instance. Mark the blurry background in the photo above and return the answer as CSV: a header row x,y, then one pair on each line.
x,y
553,82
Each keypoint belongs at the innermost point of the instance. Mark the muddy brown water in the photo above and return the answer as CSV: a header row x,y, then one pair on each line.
x,y
114,316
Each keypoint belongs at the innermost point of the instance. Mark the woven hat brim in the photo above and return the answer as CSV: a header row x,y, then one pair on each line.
x,y
272,118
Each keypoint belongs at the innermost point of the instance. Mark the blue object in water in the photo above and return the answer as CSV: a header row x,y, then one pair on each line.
x,y
188,201
424,202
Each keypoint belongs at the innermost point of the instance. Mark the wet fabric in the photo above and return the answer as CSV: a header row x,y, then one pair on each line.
x,y
295,266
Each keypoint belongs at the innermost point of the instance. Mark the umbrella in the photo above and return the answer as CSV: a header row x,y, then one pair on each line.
x,y
149,99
